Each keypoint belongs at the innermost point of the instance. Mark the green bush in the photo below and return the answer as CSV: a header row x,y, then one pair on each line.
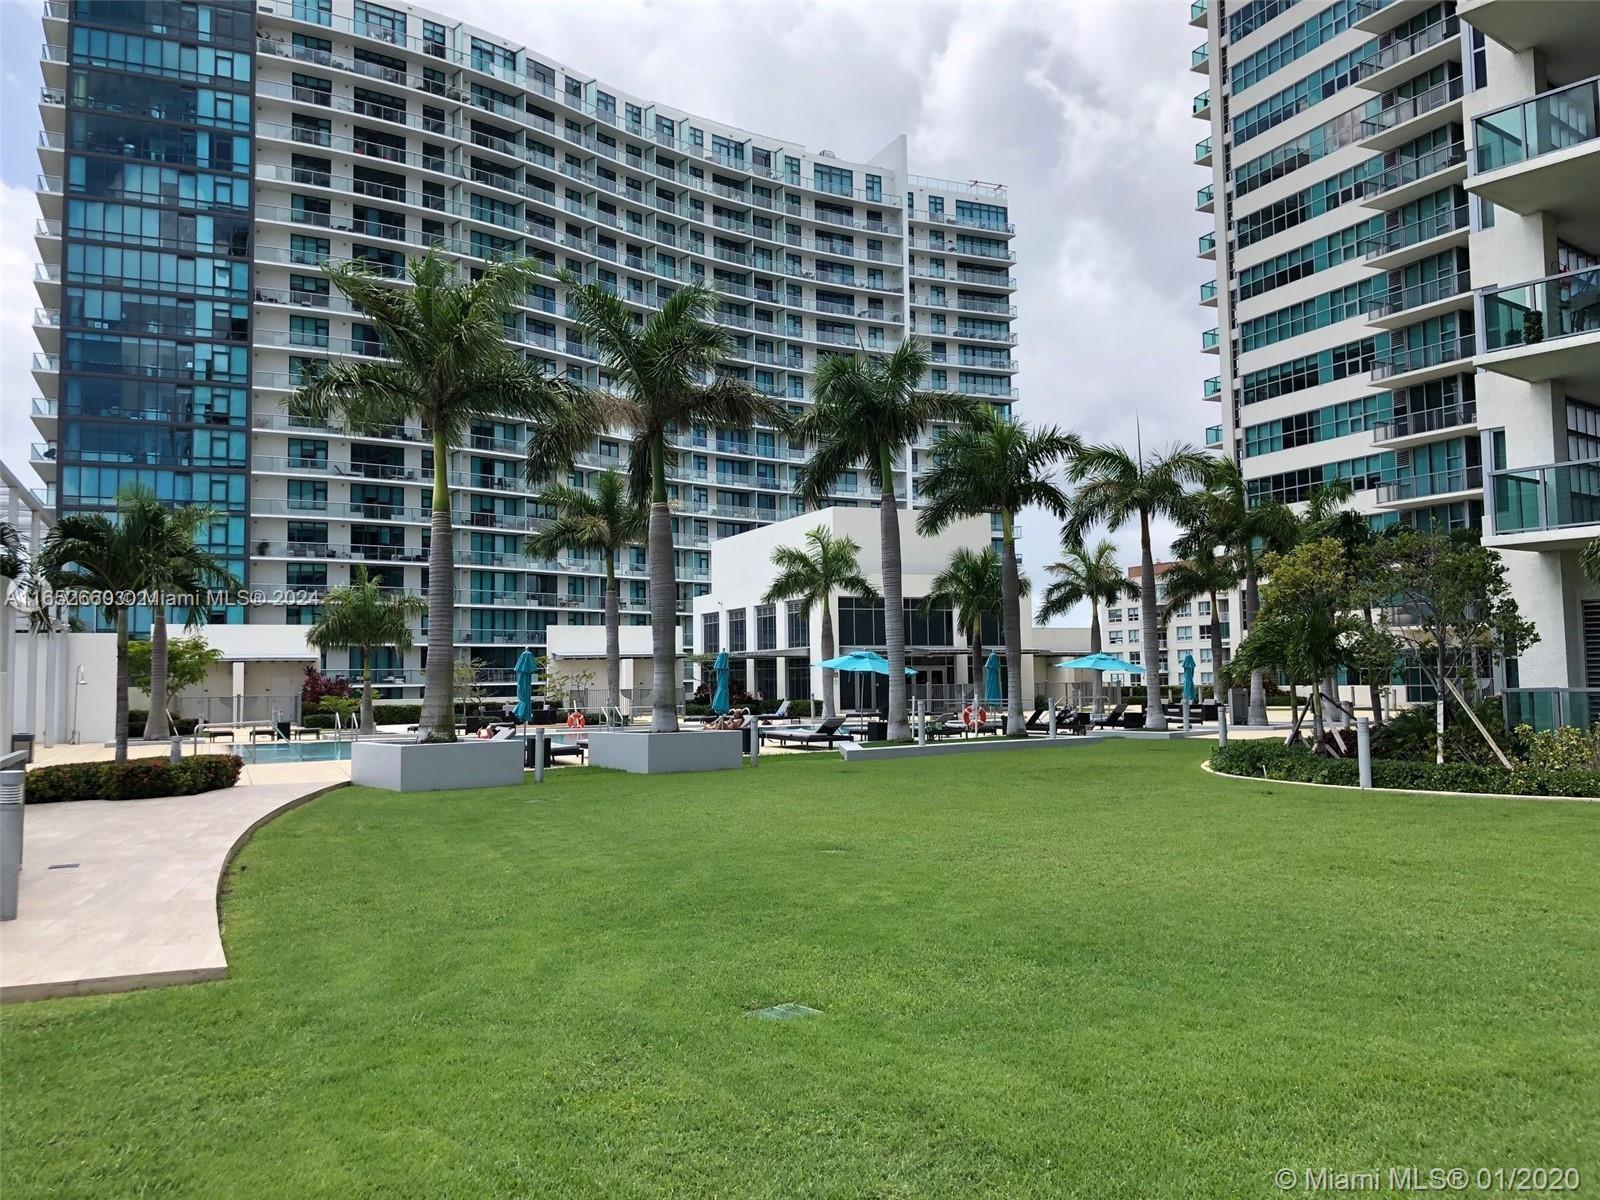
x,y
138,716
139,779
1564,749
1274,760
1409,734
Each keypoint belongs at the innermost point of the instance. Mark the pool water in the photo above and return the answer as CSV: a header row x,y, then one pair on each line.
x,y
284,752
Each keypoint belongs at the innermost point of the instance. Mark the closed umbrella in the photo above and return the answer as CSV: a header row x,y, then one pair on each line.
x,y
720,701
527,667
1190,694
991,679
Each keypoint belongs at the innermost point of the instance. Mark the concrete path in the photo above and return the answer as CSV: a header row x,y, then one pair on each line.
x,y
123,895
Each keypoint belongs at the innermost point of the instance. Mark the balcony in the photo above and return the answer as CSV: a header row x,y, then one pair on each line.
x,y
1208,293
1542,155
1380,16
1418,301
1413,490
1566,34
1202,152
1213,388
1408,119
1197,12
1405,58
1418,364
1545,329
1413,428
1400,244
1208,245
1551,708
1200,58
1555,506
1211,342
1205,199
1213,437
1202,105
1416,177
42,458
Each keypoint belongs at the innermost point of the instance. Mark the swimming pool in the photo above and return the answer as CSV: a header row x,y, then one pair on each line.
x,y
286,752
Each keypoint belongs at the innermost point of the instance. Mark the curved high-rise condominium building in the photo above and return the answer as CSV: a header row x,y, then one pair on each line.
x,y
202,160
1406,207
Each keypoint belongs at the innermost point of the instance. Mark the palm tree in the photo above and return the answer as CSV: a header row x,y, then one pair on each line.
x,y
868,410
972,585
1116,487
1208,577
447,365
1307,644
811,577
181,567
605,519
993,464
89,551
1589,560
363,617
13,556
662,376
1248,532
1092,574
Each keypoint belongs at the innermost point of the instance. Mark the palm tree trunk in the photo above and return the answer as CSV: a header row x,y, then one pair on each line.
x,y
121,729
1216,652
827,653
1258,681
437,722
663,600
1094,648
1315,702
368,726
155,725
1011,625
1154,717
613,635
894,613
1374,687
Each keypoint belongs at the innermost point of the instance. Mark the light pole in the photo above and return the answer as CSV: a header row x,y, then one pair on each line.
x,y
77,697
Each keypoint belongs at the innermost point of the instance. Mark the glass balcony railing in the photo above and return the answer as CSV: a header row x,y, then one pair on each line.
x,y
1204,197
1398,237
1413,106
1554,496
1400,49
1201,102
1551,708
1208,292
1210,340
1213,387
1197,10
1543,310
1199,56
1413,169
1213,437
1441,287
1208,244
1435,483
1566,117
1418,358
1202,150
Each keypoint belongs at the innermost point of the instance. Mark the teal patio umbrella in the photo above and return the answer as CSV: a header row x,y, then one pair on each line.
x,y
860,660
527,667
1099,664
720,701
991,678
1190,694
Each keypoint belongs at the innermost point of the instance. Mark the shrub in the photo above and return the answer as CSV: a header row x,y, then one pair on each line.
x,y
140,779
1297,764
138,716
1409,734
1563,749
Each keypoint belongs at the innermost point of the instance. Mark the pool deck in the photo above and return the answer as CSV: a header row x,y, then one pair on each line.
x,y
122,895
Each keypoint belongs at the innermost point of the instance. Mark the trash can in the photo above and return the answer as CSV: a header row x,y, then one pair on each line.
x,y
22,741
11,795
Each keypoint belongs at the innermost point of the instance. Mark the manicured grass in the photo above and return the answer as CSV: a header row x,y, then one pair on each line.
x,y
1092,973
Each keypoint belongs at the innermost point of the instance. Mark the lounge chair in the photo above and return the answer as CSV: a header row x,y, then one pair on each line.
x,y
781,713
553,750
1076,724
1037,722
1112,718
827,732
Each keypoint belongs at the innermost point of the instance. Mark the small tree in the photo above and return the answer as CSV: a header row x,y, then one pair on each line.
x,y
972,584
1451,609
363,617
188,661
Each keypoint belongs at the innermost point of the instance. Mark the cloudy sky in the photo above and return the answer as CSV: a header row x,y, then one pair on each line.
x,y
1081,108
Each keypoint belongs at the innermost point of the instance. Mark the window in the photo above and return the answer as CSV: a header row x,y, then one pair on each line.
x,y
318,12
710,633
383,23
799,627
736,632
766,627
1185,633
837,180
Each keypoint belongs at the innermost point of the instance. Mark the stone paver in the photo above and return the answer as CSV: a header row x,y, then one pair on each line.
x,y
123,895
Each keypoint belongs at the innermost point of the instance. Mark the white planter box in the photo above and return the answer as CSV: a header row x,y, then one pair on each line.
x,y
436,767
645,753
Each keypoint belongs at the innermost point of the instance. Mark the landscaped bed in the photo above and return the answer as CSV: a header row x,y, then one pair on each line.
x,y
1097,974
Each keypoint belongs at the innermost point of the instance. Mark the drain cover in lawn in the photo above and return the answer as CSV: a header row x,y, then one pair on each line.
x,y
785,1012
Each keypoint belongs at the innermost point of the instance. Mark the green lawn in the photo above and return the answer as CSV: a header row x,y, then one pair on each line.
x,y
1092,973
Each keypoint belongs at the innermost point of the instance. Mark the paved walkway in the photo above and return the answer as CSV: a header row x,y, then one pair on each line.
x,y
123,895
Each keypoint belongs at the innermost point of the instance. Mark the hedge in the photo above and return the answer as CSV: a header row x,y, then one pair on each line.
x,y
1297,764
138,716
139,779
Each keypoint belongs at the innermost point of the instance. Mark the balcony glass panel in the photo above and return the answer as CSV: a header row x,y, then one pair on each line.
x,y
1213,386
1544,124
1209,339
1199,55
1208,291
1202,101
1202,149
1556,306
1208,242
1197,10
1550,497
